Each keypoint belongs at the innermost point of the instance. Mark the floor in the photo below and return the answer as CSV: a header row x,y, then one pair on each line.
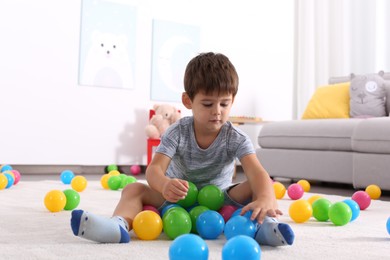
x,y
316,187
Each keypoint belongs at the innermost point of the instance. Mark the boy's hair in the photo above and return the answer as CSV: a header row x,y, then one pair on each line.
x,y
210,72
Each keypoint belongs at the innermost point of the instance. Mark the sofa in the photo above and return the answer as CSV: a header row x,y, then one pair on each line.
x,y
353,151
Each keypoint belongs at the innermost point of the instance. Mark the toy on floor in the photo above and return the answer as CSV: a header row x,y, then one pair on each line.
x,y
8,176
374,191
295,191
354,208
114,182
340,213
241,247
111,167
135,169
79,183
194,214
305,185
300,211
191,197
314,198
55,200
321,209
188,246
67,176
362,198
239,225
227,211
72,199
3,181
388,225
150,207
211,196
176,222
210,224
147,225
279,189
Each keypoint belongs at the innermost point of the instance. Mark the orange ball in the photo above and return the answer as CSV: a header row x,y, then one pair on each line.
x,y
279,189
300,211
104,181
305,185
79,183
55,200
314,198
147,225
373,191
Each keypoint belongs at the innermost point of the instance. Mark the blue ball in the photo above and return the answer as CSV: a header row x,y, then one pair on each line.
x,y
210,224
241,247
10,180
169,206
188,247
355,208
67,176
6,167
239,225
388,225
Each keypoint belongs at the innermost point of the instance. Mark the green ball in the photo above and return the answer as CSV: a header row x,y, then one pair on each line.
x,y
340,213
321,209
111,167
192,195
194,214
176,222
211,197
127,180
114,182
72,199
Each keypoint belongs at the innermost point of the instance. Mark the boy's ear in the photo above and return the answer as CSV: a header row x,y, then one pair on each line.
x,y
185,99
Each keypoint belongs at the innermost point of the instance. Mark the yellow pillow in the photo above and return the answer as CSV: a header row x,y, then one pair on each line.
x,y
330,101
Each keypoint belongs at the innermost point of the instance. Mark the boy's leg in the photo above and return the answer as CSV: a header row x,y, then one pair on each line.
x,y
115,229
273,233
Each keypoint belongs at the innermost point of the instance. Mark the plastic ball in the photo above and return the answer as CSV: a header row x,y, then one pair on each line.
x,y
362,198
374,191
17,176
150,207
211,196
305,185
6,167
104,181
79,183
194,214
67,176
147,225
300,211
191,197
168,207
72,199
3,181
388,225
10,179
127,180
241,247
135,169
176,222
111,167
295,191
227,212
114,173
279,189
314,198
239,225
340,213
321,209
114,182
210,224
55,200
188,247
354,208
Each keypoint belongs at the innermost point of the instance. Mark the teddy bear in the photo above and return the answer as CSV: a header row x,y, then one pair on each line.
x,y
164,116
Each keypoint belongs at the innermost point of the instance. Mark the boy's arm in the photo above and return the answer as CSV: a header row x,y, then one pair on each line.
x,y
171,189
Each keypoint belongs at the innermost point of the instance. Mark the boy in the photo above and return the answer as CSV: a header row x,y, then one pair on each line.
x,y
200,149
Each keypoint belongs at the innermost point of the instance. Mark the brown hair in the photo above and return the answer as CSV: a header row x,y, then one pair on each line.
x,y
210,72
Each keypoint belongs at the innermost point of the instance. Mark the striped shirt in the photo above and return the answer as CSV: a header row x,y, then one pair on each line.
x,y
213,165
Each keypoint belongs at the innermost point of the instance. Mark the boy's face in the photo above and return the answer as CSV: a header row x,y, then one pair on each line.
x,y
210,111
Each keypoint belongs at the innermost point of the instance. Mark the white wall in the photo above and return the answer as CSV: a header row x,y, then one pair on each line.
x,y
47,118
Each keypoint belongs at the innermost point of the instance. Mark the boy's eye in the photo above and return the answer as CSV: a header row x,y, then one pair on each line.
x,y
224,105
207,105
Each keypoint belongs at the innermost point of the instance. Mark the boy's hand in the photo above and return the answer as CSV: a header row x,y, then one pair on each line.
x,y
260,209
175,190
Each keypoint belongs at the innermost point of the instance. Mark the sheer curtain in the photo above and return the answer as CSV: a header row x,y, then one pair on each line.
x,y
336,38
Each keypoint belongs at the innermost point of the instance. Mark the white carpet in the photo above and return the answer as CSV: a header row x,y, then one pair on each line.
x,y
29,231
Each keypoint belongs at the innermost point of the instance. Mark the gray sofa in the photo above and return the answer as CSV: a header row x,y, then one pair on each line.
x,y
351,151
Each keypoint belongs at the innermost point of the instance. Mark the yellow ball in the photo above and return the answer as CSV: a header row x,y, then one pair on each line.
x,y
3,181
79,183
305,185
104,181
279,189
314,198
55,200
373,191
147,225
114,173
300,211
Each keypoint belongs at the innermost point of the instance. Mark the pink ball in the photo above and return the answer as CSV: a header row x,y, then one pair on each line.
x,y
135,169
227,211
150,207
17,176
362,198
295,191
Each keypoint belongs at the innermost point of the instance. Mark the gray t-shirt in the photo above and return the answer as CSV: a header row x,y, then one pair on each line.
x,y
214,165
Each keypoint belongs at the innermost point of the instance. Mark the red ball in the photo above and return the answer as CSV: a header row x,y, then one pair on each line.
x,y
362,199
227,211
135,169
295,191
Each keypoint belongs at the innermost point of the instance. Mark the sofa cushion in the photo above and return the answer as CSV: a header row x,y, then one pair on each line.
x,y
372,136
314,134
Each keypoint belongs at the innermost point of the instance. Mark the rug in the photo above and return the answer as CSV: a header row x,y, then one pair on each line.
x,y
29,231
